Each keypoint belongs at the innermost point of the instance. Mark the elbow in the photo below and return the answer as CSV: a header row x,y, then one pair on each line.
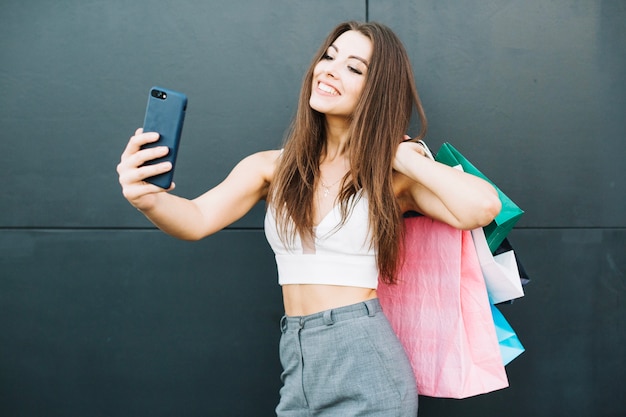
x,y
489,208
485,211
190,238
185,235
197,233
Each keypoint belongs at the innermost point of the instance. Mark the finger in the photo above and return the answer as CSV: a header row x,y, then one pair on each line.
x,y
129,173
138,190
138,140
144,138
132,160
148,154
146,171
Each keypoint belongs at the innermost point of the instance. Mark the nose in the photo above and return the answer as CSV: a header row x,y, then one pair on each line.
x,y
331,69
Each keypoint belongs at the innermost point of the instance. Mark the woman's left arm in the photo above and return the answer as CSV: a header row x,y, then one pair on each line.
x,y
443,193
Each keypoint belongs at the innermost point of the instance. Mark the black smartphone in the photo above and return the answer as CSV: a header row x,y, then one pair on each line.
x,y
165,114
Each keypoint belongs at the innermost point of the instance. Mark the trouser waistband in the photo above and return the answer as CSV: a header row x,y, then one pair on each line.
x,y
329,317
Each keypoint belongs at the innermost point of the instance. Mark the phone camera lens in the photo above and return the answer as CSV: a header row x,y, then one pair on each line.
x,y
159,94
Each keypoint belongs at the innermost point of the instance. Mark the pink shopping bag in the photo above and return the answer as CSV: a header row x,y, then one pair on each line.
x,y
441,313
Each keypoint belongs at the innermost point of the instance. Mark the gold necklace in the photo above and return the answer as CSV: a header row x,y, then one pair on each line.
x,y
327,187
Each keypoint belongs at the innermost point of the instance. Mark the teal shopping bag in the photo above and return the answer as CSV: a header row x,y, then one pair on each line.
x,y
496,231
510,345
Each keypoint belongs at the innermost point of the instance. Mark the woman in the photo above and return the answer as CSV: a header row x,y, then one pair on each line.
x,y
335,194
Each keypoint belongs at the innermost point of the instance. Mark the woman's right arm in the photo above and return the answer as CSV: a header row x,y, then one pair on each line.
x,y
245,186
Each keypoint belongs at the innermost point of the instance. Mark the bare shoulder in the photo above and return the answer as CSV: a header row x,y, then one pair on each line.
x,y
262,163
266,157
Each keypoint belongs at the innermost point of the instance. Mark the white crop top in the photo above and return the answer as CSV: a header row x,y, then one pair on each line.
x,y
339,256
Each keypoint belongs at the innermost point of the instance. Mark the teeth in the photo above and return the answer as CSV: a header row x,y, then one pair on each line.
x,y
327,89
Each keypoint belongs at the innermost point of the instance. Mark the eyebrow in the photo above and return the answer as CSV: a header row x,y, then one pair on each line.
x,y
358,58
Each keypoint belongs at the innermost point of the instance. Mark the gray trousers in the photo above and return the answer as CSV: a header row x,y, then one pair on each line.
x,y
344,362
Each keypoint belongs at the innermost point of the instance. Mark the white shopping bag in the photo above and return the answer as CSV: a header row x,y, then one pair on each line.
x,y
501,274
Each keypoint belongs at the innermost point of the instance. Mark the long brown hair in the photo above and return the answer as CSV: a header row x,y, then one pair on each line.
x,y
379,122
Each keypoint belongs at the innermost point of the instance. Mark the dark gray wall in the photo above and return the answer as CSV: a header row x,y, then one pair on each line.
x,y
102,315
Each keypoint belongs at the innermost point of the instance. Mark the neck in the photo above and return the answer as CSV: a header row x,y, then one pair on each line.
x,y
334,160
336,138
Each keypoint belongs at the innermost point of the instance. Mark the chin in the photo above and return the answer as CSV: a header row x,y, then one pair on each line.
x,y
317,107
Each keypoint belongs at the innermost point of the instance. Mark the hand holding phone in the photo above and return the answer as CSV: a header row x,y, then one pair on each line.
x,y
165,114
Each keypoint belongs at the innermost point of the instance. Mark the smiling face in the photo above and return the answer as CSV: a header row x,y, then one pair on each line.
x,y
339,77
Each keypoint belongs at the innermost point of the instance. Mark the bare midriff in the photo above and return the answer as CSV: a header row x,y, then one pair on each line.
x,y
305,299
